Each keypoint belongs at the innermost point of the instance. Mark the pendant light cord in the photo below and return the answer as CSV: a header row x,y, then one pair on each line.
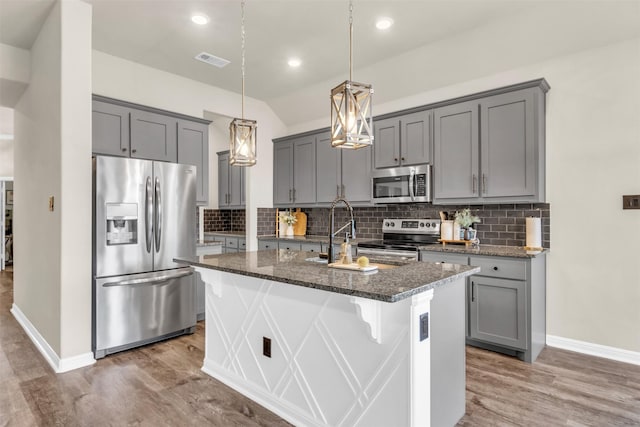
x,y
242,26
350,38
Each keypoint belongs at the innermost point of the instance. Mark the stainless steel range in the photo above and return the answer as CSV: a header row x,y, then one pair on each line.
x,y
401,239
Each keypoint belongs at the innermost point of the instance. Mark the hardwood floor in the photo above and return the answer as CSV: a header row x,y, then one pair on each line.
x,y
162,384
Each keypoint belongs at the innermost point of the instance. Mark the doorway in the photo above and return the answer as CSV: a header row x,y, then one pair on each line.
x,y
6,223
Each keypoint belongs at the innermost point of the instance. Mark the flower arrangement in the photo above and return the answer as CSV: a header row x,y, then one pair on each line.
x,y
465,218
288,218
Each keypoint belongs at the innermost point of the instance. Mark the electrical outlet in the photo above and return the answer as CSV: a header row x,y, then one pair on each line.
x,y
51,204
424,326
631,202
266,346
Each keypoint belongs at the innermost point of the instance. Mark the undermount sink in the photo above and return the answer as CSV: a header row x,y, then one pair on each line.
x,y
379,265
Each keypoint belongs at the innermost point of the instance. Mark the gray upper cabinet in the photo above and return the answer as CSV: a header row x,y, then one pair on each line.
x,y
230,183
356,175
110,129
193,149
283,173
491,150
403,140
294,171
153,136
456,152
328,169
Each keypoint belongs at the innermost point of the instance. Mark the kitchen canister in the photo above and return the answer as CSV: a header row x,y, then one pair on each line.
x,y
446,230
456,231
534,234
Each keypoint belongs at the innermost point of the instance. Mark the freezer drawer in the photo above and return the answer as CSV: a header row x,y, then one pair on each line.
x,y
137,309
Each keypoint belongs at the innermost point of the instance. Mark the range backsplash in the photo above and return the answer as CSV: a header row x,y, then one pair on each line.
x,y
500,224
224,220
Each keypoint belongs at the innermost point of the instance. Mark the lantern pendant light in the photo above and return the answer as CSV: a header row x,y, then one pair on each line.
x,y
351,121
243,142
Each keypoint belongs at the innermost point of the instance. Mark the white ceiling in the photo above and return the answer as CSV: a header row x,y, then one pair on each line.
x,y
159,33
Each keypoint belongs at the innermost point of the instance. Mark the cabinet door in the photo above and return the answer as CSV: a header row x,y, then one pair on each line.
x,y
236,184
304,170
283,173
498,311
386,143
415,138
264,245
193,149
356,175
508,149
153,136
456,152
328,175
223,180
110,129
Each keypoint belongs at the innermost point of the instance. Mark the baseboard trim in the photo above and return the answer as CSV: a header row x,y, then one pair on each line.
x,y
58,365
592,349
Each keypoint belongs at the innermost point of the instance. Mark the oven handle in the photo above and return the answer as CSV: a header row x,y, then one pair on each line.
x,y
388,253
412,178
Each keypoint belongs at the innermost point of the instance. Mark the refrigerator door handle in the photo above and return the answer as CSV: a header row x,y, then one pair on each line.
x,y
155,280
148,214
158,217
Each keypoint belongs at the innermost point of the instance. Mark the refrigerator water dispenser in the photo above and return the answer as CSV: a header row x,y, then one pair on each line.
x,y
122,223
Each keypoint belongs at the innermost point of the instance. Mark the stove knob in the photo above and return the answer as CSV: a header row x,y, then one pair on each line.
x,y
393,224
386,224
422,224
433,224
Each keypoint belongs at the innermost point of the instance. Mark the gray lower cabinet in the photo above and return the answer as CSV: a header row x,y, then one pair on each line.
x,y
154,136
311,247
403,140
294,171
264,245
110,129
491,149
193,149
230,183
505,302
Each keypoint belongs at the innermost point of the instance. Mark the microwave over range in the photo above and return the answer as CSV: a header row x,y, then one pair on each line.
x,y
407,184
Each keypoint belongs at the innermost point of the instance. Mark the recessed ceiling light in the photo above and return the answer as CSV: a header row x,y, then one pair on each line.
x,y
294,62
200,19
384,23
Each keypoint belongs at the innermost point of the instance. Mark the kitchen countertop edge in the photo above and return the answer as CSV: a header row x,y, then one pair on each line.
x,y
484,250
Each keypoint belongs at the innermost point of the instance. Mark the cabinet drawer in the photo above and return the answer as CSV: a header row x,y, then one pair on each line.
x,y
231,242
267,245
311,247
443,257
242,244
500,267
290,246
209,250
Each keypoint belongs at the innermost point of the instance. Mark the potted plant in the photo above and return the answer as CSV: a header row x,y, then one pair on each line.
x,y
466,220
289,219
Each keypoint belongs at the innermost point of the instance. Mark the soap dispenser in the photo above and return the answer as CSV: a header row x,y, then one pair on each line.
x,y
345,248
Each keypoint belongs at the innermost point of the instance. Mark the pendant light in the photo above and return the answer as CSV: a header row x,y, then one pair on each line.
x,y
243,143
351,122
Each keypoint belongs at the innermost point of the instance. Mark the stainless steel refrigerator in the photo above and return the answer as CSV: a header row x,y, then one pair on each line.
x,y
144,217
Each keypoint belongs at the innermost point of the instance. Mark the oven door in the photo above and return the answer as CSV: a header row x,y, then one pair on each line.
x,y
388,254
401,185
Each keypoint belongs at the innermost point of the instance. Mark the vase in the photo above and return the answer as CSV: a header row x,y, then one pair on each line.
x,y
467,234
289,230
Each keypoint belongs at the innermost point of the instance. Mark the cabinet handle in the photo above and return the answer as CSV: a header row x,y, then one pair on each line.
x,y
294,194
402,158
473,183
473,291
124,149
484,184
343,190
337,191
395,159
290,195
495,268
134,150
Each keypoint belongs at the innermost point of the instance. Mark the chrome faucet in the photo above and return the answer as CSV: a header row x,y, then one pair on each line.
x,y
332,234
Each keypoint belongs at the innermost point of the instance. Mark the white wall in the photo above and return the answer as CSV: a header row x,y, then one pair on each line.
x,y
15,66
6,157
52,277
118,78
593,158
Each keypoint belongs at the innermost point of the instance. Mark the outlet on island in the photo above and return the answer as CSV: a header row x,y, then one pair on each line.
x,y
266,346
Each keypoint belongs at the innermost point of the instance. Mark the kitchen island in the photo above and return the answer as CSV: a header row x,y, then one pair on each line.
x,y
322,346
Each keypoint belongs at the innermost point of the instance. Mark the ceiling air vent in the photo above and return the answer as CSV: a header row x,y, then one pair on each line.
x,y
212,59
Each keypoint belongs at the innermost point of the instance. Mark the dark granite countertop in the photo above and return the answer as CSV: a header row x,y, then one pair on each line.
x,y
311,239
488,250
389,285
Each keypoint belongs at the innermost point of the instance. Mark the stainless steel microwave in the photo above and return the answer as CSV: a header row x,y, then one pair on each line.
x,y
407,184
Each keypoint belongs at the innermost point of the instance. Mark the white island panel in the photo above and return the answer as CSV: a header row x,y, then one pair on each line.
x,y
332,363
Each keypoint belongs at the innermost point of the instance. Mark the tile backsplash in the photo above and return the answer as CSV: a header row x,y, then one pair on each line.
x,y
500,224
224,220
